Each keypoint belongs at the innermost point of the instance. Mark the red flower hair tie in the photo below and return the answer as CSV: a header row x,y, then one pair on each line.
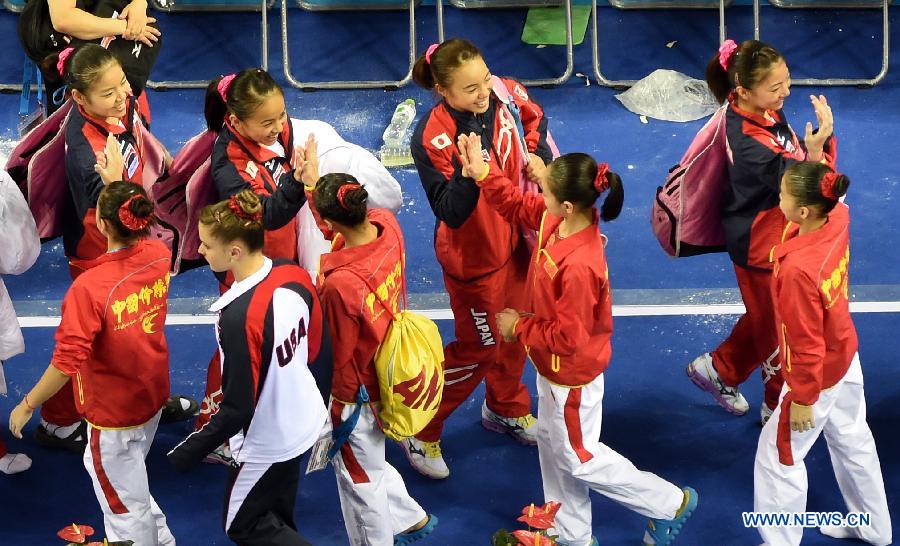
x,y
240,213
342,194
224,84
827,185
601,181
430,51
128,218
726,52
61,60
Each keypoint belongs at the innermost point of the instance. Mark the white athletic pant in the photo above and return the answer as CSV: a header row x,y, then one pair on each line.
x,y
115,461
574,461
374,500
840,413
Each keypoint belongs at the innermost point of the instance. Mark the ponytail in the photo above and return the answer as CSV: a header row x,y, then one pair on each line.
x,y
244,93
615,198
127,208
815,185
746,65
437,65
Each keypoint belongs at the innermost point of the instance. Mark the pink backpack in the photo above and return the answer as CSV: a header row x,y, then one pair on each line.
x,y
686,215
180,197
38,166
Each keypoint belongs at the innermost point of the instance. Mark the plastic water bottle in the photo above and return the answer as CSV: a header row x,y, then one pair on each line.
x,y
395,152
403,117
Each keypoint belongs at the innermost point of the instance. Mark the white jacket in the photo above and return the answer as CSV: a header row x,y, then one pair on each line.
x,y
336,155
19,248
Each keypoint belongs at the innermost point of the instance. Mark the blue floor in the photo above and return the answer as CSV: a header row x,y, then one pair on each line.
x,y
669,428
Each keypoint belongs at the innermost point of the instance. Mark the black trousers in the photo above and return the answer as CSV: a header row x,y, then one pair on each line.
x,y
259,504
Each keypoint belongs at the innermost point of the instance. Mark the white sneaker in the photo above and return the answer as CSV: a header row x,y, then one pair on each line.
x,y
13,463
426,458
704,375
221,455
520,428
765,413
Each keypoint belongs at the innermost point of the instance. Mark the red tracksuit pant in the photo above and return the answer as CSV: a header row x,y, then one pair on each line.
x,y
754,339
479,351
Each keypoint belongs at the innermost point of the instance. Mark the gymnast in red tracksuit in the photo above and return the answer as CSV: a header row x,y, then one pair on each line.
x,y
566,330
105,116
111,343
364,268
824,393
754,79
483,257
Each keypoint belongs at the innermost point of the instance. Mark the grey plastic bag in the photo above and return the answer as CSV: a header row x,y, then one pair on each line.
x,y
671,96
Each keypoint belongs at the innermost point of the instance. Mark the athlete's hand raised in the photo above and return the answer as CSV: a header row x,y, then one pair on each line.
x,y
815,141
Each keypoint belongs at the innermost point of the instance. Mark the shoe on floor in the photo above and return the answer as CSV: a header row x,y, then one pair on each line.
x,y
412,536
426,458
74,442
220,455
13,463
765,413
178,408
523,429
662,532
704,375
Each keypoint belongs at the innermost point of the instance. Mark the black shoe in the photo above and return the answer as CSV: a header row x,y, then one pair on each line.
x,y
174,411
73,442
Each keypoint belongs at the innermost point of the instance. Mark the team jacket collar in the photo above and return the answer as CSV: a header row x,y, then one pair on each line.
x,y
239,288
261,154
762,121
117,255
563,247
470,121
356,257
104,127
838,220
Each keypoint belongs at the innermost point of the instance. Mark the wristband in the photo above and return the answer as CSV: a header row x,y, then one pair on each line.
x,y
487,170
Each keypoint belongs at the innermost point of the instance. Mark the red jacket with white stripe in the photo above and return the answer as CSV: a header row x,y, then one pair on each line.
x,y
762,148
471,239
568,337
111,340
810,287
353,310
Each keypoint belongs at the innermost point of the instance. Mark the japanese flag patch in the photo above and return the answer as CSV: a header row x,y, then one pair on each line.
x,y
441,141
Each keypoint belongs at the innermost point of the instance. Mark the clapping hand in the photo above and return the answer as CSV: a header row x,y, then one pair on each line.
x,y
306,163
473,165
815,142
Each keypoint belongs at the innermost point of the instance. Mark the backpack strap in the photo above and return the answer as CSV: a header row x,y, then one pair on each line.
x,y
509,104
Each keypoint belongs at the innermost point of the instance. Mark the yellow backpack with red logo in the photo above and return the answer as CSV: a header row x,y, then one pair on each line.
x,y
409,364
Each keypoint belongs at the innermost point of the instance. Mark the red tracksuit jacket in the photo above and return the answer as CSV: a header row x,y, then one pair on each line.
x,y
111,340
810,288
238,163
761,150
568,337
84,137
471,239
356,317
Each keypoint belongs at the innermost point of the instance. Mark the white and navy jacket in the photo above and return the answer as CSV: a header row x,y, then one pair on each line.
x,y
276,370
